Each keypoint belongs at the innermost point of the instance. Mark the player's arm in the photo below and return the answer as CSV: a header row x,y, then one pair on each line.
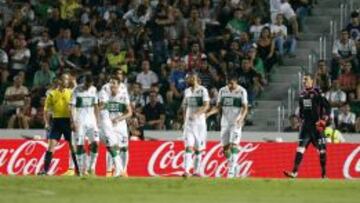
x,y
213,110
128,113
244,109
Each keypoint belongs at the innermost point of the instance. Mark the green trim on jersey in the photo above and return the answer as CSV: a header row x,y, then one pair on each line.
x,y
231,101
115,107
83,102
195,101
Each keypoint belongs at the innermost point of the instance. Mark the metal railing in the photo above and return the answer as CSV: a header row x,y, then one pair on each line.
x,y
281,117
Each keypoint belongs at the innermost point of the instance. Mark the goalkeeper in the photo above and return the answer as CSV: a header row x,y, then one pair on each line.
x,y
314,112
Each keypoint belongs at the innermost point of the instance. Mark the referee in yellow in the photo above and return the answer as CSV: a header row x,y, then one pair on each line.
x,y
58,103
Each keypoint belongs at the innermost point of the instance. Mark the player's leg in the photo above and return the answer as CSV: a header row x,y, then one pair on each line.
x,y
111,141
199,147
235,136
80,150
319,142
189,142
304,141
225,141
93,136
124,153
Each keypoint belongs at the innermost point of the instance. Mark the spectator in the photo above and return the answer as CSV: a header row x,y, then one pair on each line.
x,y
348,80
136,18
154,113
302,9
282,39
136,96
289,14
177,79
4,83
238,24
147,77
336,98
155,88
354,26
38,119
333,135
196,27
55,24
322,76
208,76
45,41
64,42
15,94
346,119
256,28
19,56
136,132
117,57
193,60
249,79
257,62
77,60
266,49
344,50
44,76
87,41
23,116
294,124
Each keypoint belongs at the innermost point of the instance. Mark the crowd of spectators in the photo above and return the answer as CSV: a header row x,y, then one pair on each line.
x,y
154,42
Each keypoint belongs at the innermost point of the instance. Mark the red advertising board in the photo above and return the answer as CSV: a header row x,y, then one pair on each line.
x,y
165,158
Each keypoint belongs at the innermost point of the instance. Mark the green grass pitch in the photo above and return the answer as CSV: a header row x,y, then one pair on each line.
x,y
174,190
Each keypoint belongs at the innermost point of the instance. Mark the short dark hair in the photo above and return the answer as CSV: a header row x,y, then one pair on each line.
x,y
354,14
88,79
233,77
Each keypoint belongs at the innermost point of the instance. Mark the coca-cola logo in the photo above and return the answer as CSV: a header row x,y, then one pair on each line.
x,y
167,161
351,167
22,159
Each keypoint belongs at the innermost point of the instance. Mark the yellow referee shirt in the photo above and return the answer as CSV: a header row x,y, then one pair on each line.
x,y
58,103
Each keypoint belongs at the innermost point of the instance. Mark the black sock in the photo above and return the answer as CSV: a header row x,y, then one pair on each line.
x,y
48,157
323,164
298,159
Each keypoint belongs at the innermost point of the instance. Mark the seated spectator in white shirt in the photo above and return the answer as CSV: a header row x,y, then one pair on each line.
x,y
15,94
19,56
344,50
256,28
336,98
346,119
24,115
282,39
147,77
45,41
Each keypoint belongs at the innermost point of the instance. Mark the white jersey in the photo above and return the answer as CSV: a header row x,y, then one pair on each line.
x,y
84,101
231,103
193,100
114,105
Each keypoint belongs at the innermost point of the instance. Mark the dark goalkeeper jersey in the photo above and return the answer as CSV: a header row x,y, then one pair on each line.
x,y
313,106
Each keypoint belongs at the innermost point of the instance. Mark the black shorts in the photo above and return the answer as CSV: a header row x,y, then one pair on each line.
x,y
59,127
309,134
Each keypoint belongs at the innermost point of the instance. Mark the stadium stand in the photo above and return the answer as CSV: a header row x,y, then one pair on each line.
x,y
156,42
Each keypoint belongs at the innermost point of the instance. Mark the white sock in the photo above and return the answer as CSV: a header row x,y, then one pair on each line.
x,y
124,156
187,161
71,163
81,159
233,164
118,166
92,162
109,162
197,163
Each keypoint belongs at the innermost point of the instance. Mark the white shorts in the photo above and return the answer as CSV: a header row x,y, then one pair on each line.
x,y
195,135
114,135
88,130
230,135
